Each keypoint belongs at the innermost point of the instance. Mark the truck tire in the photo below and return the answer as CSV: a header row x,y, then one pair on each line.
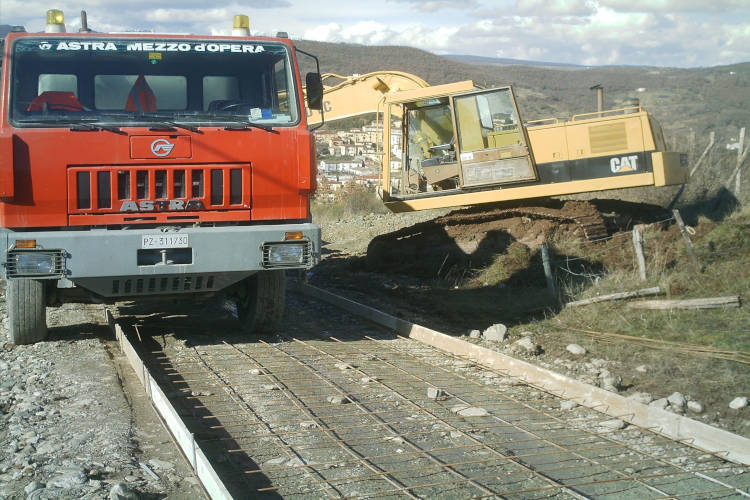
x,y
27,310
262,307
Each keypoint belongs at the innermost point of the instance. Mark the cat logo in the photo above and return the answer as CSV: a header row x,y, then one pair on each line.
x,y
624,164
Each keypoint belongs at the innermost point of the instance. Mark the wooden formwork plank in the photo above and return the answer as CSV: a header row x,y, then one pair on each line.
x,y
730,446
182,436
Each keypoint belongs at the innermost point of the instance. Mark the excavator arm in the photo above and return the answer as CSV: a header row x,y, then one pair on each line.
x,y
347,96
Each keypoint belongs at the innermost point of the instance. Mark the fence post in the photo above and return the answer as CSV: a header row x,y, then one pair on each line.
x,y
638,245
686,237
548,271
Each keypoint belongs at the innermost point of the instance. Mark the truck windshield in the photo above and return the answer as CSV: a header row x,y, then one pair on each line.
x,y
59,81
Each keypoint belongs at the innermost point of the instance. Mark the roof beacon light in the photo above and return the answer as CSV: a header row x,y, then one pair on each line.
x,y
55,21
241,25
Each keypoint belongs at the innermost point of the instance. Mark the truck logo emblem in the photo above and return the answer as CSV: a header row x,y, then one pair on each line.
x,y
161,147
160,205
45,45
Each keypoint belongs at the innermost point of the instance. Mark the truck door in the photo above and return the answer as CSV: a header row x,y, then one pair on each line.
x,y
492,145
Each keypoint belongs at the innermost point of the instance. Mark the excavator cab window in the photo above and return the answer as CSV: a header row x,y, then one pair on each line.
x,y
492,146
430,154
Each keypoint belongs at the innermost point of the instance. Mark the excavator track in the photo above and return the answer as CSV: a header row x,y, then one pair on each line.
x,y
581,213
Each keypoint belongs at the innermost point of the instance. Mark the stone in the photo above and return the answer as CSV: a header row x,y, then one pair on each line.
x,y
337,400
527,344
641,368
255,371
660,403
496,333
161,464
474,334
270,387
615,424
738,403
367,380
469,411
677,401
568,405
69,479
611,382
695,406
641,397
309,424
33,486
121,491
575,349
342,366
435,393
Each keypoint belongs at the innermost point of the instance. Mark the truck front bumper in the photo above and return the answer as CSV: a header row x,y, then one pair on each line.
x,y
124,262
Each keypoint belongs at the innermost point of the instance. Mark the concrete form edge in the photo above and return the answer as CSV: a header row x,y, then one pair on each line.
x,y
730,446
182,436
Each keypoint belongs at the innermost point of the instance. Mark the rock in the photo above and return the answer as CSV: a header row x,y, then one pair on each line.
x,y
469,411
615,424
496,333
275,462
677,401
738,403
568,405
161,464
121,491
456,434
255,371
576,349
296,462
367,380
33,486
309,424
69,479
342,366
641,397
661,403
527,344
270,387
641,368
474,334
337,400
435,393
695,406
611,383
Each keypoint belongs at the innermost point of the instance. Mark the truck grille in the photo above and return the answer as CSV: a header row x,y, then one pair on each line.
x,y
163,284
147,193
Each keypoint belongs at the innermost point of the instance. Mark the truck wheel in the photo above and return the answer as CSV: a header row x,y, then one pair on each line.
x,y
27,311
262,307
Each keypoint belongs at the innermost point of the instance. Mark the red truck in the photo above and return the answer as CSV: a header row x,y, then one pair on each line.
x,y
142,166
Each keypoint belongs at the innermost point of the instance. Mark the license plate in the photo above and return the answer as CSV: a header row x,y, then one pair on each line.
x,y
164,241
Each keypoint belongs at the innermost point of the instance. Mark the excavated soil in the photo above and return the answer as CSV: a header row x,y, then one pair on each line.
x,y
435,271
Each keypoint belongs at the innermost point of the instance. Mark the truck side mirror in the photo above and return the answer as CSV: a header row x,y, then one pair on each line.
x,y
314,85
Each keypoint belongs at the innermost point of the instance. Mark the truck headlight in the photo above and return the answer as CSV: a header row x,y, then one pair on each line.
x,y
285,254
34,262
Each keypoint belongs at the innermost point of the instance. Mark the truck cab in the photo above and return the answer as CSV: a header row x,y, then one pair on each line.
x,y
141,166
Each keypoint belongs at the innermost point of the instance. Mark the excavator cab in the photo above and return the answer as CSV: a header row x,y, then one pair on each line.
x,y
456,138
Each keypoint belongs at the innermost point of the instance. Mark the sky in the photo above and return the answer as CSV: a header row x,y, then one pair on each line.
x,y
674,33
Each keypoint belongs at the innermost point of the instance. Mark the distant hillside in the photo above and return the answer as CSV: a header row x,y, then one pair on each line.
x,y
700,100
504,61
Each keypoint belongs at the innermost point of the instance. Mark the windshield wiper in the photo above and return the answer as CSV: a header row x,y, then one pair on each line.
x,y
77,124
166,123
243,122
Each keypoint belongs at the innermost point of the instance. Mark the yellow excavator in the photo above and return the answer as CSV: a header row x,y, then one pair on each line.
x,y
459,144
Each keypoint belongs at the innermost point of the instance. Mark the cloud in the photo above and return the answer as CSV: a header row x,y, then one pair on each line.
x,y
546,8
674,6
435,6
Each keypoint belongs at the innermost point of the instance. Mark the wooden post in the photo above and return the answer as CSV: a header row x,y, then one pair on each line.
x,y
742,153
686,237
548,270
638,245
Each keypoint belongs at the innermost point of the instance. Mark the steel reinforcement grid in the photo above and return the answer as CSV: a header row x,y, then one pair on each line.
x,y
334,406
